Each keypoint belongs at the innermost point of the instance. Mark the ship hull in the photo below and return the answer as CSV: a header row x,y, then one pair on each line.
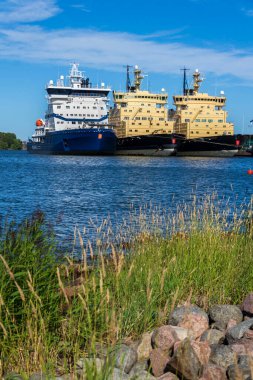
x,y
89,141
147,145
215,146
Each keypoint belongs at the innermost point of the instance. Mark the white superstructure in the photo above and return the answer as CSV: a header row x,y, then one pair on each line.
x,y
73,103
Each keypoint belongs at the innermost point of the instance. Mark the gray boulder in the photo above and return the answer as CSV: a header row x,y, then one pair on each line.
x,y
238,331
180,312
118,374
222,355
222,314
213,336
124,357
239,372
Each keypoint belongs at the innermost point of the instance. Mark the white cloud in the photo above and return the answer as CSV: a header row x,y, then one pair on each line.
x,y
25,11
111,50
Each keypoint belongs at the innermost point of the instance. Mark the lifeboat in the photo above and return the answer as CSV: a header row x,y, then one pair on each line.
x,y
39,123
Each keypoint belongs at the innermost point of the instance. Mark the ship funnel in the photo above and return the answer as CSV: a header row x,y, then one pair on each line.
x,y
163,89
102,84
51,82
197,70
62,77
136,67
222,93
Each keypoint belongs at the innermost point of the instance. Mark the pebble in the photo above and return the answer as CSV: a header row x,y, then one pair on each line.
x,y
222,355
238,331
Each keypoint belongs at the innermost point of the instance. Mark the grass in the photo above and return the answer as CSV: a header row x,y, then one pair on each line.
x,y
54,310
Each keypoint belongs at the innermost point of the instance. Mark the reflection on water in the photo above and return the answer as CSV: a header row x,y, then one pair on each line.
x,y
74,190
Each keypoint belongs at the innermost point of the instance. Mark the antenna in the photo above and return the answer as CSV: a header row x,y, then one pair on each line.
x,y
128,80
185,83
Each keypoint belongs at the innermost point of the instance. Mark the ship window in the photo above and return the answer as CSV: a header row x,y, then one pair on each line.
x,y
161,118
208,133
88,114
220,121
71,114
133,123
224,126
187,120
147,130
136,130
210,120
126,118
191,131
77,107
58,107
73,122
137,118
197,132
139,123
102,108
68,107
203,120
158,105
148,111
216,133
197,120
92,114
144,118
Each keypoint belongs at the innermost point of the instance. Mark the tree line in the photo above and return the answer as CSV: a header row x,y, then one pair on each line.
x,y
9,141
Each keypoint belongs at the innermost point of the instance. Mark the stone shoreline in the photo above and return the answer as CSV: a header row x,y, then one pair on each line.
x,y
194,344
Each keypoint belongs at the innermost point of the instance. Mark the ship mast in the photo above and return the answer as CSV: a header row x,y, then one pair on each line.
x,y
185,83
128,80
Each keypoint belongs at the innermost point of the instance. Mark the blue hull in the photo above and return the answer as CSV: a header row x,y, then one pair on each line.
x,y
77,141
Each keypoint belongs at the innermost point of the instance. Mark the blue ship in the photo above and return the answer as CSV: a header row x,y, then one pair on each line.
x,y
76,121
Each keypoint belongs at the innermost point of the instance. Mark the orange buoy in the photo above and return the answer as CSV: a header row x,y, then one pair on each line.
x,y
100,136
250,171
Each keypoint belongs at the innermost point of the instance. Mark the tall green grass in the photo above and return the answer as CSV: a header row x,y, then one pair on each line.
x,y
54,310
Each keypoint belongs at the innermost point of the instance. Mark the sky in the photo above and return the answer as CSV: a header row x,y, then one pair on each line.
x,y
40,38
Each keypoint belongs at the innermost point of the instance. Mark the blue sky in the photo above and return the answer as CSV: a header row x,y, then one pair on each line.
x,y
40,38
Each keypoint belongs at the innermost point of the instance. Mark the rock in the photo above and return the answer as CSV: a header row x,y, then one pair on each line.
x,y
248,334
239,372
231,323
202,350
221,355
213,336
144,347
245,360
164,338
185,361
224,313
124,357
13,376
238,331
213,372
243,347
168,376
159,361
142,375
139,367
38,376
247,305
190,317
94,363
182,333
118,374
